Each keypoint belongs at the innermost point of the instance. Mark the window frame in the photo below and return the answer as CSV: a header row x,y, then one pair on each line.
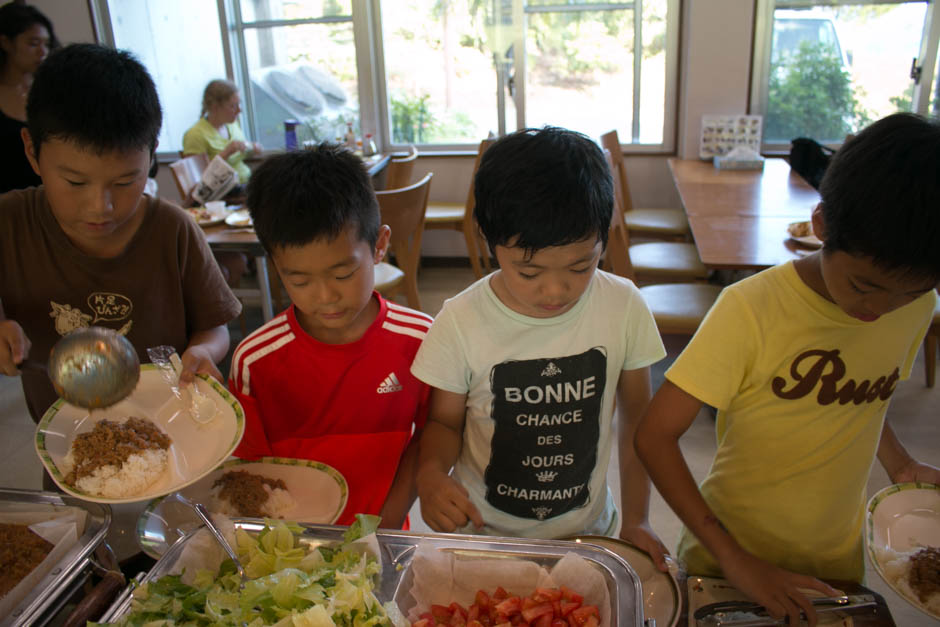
x,y
763,40
370,63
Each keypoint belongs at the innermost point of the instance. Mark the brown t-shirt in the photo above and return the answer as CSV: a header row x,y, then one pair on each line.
x,y
162,289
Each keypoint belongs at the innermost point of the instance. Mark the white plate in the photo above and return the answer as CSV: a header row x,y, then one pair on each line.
x,y
661,592
205,217
196,449
239,218
705,590
319,492
807,240
902,517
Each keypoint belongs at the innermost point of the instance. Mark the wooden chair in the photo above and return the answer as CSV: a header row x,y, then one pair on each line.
x,y
677,308
400,170
187,171
668,224
403,210
931,345
453,215
657,262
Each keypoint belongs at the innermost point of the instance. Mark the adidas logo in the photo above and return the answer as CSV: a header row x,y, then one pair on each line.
x,y
390,384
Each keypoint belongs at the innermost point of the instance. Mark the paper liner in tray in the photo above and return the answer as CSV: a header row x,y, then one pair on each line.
x,y
442,577
61,526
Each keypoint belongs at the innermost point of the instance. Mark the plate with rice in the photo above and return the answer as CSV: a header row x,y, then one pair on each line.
x,y
144,447
297,490
902,534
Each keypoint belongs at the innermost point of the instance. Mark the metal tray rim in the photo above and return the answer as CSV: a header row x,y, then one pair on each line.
x,y
96,528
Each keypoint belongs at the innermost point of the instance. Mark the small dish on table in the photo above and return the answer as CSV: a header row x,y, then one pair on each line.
x,y
802,232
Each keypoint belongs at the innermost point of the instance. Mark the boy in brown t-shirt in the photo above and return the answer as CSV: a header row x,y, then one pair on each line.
x,y
87,247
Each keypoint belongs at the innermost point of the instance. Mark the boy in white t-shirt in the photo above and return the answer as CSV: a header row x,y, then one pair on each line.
x,y
526,364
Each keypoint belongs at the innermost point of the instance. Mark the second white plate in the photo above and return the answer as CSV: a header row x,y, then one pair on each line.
x,y
319,493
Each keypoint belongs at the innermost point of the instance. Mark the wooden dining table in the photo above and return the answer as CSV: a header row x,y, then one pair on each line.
x,y
739,218
222,237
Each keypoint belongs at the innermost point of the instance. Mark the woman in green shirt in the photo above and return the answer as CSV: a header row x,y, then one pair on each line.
x,y
217,132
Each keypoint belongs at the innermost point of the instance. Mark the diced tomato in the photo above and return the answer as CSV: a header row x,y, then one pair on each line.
x,y
474,623
457,608
441,614
486,620
570,595
591,622
568,606
509,606
457,620
482,599
581,614
503,624
530,614
515,619
430,617
500,594
422,623
545,620
473,613
546,594
559,622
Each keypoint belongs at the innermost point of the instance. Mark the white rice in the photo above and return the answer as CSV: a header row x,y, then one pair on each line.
x,y
897,570
278,505
134,476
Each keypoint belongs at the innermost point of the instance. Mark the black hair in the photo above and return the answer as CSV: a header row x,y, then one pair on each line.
x,y
548,186
881,196
16,18
312,194
95,97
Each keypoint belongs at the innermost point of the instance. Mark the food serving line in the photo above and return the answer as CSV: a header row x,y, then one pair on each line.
x,y
635,593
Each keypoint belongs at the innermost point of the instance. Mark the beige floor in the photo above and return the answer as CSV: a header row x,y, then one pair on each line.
x,y
914,414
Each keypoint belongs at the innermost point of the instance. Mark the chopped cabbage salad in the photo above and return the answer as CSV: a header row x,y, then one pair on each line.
x,y
292,585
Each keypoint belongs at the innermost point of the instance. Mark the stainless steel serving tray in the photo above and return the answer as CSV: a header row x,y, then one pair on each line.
x,y
53,585
398,547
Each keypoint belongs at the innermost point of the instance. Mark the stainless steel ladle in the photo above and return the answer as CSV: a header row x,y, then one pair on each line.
x,y
94,367
203,514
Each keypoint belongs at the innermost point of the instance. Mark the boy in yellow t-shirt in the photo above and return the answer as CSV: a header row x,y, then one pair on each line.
x,y
801,361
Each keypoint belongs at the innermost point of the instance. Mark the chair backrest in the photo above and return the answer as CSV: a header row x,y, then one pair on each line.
x,y
611,142
618,238
399,170
403,210
470,224
187,172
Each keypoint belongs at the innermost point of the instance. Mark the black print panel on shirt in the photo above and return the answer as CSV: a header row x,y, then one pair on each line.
x,y
547,429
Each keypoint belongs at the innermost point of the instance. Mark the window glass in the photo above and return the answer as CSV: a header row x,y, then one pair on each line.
x,y
291,79
439,72
835,69
262,10
152,30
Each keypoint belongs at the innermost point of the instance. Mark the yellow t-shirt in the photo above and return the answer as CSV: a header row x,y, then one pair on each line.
x,y
202,137
802,389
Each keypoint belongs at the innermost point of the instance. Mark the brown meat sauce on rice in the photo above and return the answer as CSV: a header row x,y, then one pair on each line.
x,y
117,459
241,493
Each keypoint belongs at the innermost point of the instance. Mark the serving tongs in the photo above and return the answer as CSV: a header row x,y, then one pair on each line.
x,y
724,613
206,518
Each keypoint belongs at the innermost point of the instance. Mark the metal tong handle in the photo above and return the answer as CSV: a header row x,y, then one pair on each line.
x,y
823,604
203,513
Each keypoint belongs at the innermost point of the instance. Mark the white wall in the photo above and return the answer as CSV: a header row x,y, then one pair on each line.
x,y
715,49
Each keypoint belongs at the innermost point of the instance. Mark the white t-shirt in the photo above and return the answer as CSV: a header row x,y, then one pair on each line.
x,y
540,400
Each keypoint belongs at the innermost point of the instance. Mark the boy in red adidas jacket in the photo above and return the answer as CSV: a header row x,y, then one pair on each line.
x,y
329,379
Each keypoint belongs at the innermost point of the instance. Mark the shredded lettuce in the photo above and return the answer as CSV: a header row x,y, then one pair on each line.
x,y
291,586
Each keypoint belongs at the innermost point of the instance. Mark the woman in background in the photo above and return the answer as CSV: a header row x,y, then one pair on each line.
x,y
26,37
217,132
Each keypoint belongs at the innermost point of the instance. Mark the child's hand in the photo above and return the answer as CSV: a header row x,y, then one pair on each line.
x,y
917,471
775,588
445,504
642,537
14,347
197,359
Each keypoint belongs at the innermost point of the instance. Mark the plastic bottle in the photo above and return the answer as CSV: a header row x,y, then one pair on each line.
x,y
368,146
290,134
350,138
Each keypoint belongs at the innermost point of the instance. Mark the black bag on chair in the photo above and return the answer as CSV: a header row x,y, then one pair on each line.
x,y
810,159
